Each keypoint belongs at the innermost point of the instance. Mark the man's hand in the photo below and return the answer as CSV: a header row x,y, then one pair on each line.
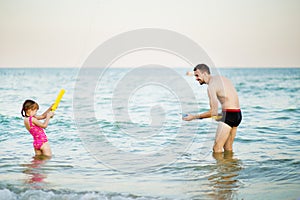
x,y
188,117
218,117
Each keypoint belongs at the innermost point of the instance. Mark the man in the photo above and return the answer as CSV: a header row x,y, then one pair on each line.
x,y
222,90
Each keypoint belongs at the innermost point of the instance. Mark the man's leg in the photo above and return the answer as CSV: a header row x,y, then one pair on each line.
x,y
222,134
229,142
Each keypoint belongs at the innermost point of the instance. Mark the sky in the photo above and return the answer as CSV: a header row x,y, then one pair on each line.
x,y
234,33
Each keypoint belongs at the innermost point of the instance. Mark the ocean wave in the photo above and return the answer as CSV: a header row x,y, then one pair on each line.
x,y
6,194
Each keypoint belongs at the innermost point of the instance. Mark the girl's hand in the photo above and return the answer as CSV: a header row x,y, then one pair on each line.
x,y
50,114
50,108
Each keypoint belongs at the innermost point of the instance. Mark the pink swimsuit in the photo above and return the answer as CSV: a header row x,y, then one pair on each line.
x,y
38,134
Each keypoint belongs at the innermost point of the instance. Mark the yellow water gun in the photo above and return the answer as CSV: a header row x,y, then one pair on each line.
x,y
58,98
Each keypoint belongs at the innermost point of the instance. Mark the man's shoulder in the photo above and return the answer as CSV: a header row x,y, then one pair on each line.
x,y
219,78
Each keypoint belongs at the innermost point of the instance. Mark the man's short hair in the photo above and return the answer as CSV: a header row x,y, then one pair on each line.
x,y
202,68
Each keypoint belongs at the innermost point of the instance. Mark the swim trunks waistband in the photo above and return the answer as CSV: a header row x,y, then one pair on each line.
x,y
232,117
231,110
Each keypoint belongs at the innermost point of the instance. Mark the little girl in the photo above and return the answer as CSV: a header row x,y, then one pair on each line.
x,y
36,128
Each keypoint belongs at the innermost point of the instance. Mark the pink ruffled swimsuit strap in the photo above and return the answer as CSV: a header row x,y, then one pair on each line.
x,y
38,134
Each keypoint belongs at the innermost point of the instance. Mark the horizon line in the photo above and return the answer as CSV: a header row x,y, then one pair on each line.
x,y
127,67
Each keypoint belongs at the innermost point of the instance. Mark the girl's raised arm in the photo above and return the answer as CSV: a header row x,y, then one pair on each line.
x,y
45,123
44,115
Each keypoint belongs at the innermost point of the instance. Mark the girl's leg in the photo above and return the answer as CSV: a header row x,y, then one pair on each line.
x,y
38,152
46,150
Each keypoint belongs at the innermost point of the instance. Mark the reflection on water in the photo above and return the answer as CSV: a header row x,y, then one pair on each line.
x,y
224,176
35,172
269,170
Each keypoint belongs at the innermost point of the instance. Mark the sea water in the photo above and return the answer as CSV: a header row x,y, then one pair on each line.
x,y
140,147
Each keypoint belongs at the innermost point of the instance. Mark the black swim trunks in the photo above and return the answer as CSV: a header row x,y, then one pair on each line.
x,y
232,117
